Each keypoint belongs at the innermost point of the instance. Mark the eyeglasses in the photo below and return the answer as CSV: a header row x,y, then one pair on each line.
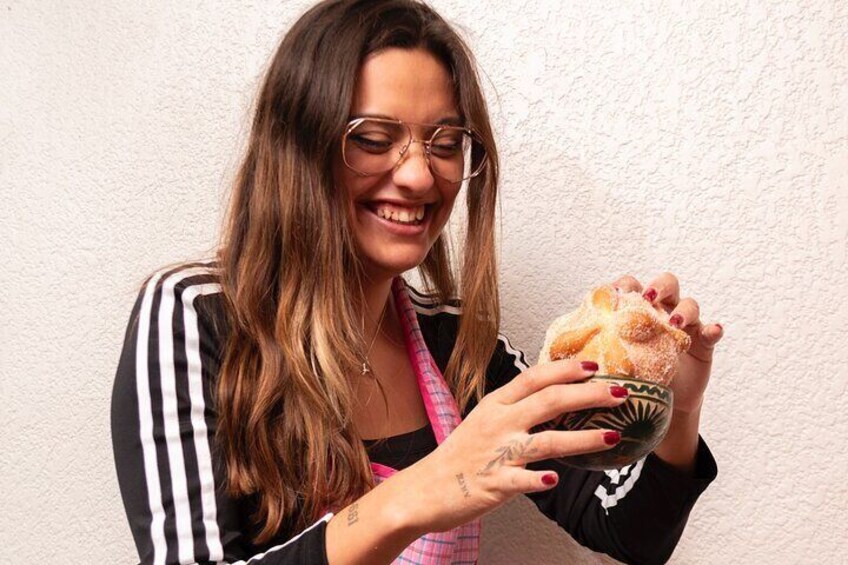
x,y
373,146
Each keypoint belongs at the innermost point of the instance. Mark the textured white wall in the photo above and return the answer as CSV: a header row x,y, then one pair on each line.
x,y
706,138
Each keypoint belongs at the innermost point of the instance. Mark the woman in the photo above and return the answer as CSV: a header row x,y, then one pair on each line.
x,y
285,403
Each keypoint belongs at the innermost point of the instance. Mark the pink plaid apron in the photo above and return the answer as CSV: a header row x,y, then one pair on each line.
x,y
459,545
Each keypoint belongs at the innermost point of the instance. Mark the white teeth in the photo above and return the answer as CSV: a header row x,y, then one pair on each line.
x,y
400,214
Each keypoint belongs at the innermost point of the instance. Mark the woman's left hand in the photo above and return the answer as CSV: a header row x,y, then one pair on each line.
x,y
695,365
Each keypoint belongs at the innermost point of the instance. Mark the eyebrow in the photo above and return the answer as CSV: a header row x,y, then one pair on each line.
x,y
448,121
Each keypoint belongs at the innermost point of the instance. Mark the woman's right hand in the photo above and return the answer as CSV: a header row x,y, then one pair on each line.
x,y
480,465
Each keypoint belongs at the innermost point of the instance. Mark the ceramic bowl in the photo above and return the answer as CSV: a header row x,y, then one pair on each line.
x,y
642,420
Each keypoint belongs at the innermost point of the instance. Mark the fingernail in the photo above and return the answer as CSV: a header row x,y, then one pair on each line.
x,y
720,328
612,438
676,320
589,365
618,391
550,479
650,295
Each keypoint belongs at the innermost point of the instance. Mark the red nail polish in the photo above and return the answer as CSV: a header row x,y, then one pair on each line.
x,y
676,320
650,295
618,391
612,438
589,365
550,479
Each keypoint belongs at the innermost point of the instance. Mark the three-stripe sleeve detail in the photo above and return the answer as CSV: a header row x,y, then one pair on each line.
x,y
430,307
168,480
612,493
174,433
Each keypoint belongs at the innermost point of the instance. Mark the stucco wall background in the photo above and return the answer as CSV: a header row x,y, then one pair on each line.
x,y
705,138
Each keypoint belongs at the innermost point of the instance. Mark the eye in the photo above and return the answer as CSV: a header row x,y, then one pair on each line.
x,y
371,143
447,144
446,149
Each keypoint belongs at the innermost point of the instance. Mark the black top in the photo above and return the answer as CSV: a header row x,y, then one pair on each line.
x,y
401,451
171,473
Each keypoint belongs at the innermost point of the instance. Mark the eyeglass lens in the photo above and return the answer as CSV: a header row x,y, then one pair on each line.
x,y
375,146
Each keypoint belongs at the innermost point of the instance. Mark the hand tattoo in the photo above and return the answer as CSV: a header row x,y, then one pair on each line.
x,y
463,486
513,451
353,514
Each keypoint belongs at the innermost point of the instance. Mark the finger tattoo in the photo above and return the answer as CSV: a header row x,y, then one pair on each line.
x,y
513,451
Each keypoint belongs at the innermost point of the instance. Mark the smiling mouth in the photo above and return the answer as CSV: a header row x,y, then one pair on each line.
x,y
402,215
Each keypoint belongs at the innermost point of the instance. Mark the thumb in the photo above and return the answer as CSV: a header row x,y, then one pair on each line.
x,y
711,334
704,340
541,481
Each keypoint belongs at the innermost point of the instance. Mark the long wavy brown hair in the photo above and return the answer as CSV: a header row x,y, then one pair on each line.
x,y
288,260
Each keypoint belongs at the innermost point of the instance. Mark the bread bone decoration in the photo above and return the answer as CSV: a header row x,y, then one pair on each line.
x,y
621,331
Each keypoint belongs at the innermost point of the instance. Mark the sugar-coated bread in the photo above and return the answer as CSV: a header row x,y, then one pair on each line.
x,y
622,332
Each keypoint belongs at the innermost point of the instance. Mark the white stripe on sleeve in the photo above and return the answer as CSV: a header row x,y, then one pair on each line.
x,y
519,361
145,427
198,422
325,518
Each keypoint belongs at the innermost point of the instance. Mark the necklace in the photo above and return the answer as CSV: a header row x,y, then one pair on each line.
x,y
366,365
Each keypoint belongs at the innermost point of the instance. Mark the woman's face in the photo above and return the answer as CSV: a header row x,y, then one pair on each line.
x,y
413,86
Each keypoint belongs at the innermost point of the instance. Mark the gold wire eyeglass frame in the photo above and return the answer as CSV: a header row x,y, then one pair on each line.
x,y
353,124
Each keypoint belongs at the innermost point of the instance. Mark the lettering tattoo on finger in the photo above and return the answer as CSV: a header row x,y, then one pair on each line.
x,y
463,486
514,451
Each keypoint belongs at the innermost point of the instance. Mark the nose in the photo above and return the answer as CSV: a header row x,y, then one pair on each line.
x,y
412,170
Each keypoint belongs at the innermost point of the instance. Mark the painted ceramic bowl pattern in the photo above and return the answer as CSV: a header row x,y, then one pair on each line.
x,y
642,420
